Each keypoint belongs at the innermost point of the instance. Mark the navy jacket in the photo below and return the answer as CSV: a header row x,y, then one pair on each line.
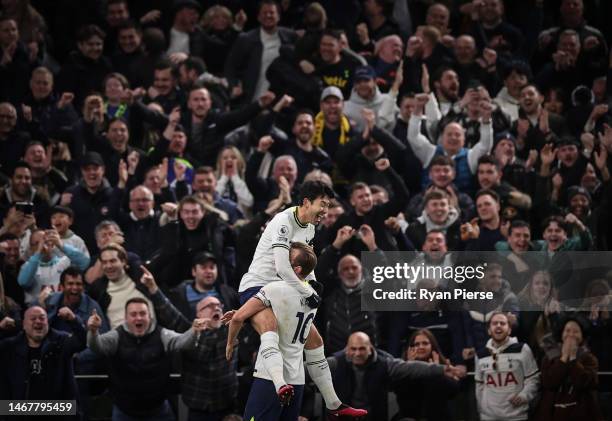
x,y
58,349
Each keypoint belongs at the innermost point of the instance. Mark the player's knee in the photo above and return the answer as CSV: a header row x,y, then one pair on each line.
x,y
314,340
265,322
270,325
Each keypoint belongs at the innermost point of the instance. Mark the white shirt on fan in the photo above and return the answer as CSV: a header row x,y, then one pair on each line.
x,y
271,44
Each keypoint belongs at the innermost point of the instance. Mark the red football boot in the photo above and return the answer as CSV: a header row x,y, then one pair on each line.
x,y
346,412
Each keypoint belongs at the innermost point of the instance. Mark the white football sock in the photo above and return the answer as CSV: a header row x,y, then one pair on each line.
x,y
318,369
272,358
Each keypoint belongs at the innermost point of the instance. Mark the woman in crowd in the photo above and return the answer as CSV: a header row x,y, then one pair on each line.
x,y
218,24
429,398
596,308
230,178
539,316
569,377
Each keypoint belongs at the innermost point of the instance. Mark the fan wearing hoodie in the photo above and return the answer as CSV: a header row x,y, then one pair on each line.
x,y
139,352
438,214
507,376
366,94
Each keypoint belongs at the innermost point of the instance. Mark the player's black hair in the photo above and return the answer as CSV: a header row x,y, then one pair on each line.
x,y
311,190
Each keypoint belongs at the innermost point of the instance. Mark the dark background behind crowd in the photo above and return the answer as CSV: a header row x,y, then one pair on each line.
x,y
167,133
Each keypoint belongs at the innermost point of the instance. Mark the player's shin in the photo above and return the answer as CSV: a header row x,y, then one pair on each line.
x,y
272,358
318,369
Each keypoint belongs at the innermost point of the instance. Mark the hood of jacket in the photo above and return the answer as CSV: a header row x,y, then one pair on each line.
x,y
9,194
453,215
374,103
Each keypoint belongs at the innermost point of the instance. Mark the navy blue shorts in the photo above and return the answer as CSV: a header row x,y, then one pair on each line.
x,y
263,403
248,293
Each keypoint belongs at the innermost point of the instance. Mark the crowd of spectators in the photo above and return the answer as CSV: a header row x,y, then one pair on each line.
x,y
144,145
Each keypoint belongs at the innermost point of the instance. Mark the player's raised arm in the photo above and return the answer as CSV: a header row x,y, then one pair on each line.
x,y
236,319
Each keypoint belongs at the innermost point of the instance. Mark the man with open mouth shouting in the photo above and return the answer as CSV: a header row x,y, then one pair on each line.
x,y
138,352
209,384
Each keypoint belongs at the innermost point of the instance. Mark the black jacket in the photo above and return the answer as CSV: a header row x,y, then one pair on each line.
x,y
57,353
47,118
86,136
356,167
15,76
90,209
375,218
81,76
216,124
263,189
372,381
244,61
11,151
142,236
417,233
179,246
342,316
131,66
139,373
306,161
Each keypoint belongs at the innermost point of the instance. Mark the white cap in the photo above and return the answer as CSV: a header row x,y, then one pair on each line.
x,y
332,91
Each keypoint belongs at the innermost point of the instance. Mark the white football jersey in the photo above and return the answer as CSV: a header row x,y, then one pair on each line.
x,y
283,229
294,319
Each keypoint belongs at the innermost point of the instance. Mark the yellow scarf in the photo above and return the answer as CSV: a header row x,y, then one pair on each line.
x,y
345,126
